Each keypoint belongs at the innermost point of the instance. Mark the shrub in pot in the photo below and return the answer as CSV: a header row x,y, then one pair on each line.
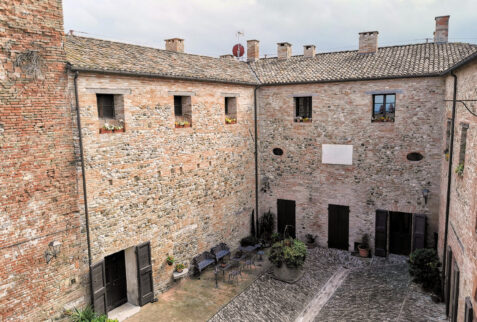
x,y
364,246
424,268
288,257
276,237
310,240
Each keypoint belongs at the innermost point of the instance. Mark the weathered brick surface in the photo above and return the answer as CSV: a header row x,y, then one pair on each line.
x,y
37,190
463,206
182,189
380,178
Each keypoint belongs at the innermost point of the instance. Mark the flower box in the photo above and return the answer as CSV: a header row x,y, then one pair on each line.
x,y
231,122
182,125
104,131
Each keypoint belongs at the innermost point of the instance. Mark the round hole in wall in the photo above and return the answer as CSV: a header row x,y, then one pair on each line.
x,y
278,151
415,156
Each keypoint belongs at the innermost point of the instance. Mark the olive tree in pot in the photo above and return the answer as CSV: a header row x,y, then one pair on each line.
x,y
288,257
364,246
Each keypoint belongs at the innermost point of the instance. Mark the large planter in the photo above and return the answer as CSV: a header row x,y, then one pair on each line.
x,y
287,274
363,252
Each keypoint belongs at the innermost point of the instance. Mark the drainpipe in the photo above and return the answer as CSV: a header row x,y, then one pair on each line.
x,y
85,196
256,148
449,181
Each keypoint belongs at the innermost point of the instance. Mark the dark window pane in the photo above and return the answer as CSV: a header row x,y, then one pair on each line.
x,y
178,105
303,107
105,106
226,106
378,98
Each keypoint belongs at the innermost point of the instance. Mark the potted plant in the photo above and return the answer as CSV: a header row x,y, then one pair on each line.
x,y
179,268
306,120
107,128
170,260
460,169
288,260
310,241
364,246
230,120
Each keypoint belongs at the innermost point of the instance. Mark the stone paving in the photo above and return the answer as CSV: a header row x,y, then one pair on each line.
x,y
377,289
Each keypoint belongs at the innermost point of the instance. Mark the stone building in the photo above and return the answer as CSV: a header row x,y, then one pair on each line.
x,y
115,156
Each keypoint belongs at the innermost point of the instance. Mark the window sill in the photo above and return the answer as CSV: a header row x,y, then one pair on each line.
x,y
178,126
105,131
301,121
382,121
230,123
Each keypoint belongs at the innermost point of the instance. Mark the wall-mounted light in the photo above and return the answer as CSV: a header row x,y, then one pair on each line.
x,y
52,251
425,194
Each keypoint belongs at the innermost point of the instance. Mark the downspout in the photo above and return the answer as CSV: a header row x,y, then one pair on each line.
x,y
256,147
449,181
85,196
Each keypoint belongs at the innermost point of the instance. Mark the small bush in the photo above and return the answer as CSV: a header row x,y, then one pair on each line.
x,y
310,239
364,242
276,237
88,315
266,225
424,268
293,256
249,241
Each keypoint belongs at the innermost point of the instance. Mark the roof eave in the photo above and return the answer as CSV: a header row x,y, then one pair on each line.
x,y
464,61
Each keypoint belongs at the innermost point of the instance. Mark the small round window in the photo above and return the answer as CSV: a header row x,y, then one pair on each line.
x,y
278,151
415,156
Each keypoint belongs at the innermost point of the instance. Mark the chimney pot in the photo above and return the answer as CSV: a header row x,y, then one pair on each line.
x,y
309,51
368,42
284,50
253,52
442,29
175,44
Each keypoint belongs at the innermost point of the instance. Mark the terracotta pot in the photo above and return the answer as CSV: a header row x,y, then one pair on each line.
x,y
102,131
363,252
119,131
179,270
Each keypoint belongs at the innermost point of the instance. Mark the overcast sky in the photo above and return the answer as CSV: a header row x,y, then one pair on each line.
x,y
209,27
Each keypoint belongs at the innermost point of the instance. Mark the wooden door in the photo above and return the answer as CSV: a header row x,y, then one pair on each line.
x,y
419,232
454,303
447,287
286,217
400,225
116,288
98,285
381,233
144,271
338,227
469,311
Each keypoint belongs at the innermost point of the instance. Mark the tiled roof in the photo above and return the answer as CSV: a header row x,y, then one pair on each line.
x,y
388,62
107,56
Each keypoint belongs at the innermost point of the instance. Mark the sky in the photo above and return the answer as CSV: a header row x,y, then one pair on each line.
x,y
210,27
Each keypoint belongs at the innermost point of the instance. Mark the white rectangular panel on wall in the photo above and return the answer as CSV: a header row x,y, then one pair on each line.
x,y
337,154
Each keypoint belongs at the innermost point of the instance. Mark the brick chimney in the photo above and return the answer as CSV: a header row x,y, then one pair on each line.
x,y
284,50
368,42
442,29
175,44
253,50
309,51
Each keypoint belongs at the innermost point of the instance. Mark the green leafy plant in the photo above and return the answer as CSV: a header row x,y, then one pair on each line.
x,y
460,169
87,314
364,242
424,268
276,237
170,260
180,267
249,241
266,225
310,239
293,256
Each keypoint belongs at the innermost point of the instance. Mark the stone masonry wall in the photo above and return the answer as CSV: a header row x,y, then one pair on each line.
x,y
462,234
182,189
37,175
380,177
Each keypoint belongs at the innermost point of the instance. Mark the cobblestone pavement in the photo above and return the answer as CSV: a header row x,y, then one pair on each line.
x,y
377,289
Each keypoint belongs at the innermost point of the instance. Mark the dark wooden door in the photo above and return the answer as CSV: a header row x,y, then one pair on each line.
x,y
419,232
98,284
469,311
338,227
286,217
116,288
448,271
400,225
454,300
381,233
144,272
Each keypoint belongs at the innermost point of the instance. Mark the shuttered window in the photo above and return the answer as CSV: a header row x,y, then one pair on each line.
x,y
105,106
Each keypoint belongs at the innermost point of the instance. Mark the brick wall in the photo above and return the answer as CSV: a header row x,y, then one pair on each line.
x,y
380,177
182,189
37,175
462,236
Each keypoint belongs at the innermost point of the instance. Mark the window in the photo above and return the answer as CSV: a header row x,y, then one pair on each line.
x,y
448,134
110,113
230,110
384,106
463,144
303,109
105,106
182,111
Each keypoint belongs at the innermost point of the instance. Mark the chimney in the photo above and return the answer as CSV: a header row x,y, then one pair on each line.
x,y
175,44
368,42
284,50
253,50
309,51
442,29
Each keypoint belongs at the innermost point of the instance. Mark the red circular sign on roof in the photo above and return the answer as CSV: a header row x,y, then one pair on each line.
x,y
238,50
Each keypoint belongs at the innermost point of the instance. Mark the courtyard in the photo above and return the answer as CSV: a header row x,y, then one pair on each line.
x,y
336,286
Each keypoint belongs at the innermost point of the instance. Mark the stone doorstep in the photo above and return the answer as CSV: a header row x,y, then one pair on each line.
x,y
123,312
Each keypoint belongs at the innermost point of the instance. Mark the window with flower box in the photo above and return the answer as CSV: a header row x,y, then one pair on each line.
x,y
182,111
230,109
384,107
110,113
303,112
